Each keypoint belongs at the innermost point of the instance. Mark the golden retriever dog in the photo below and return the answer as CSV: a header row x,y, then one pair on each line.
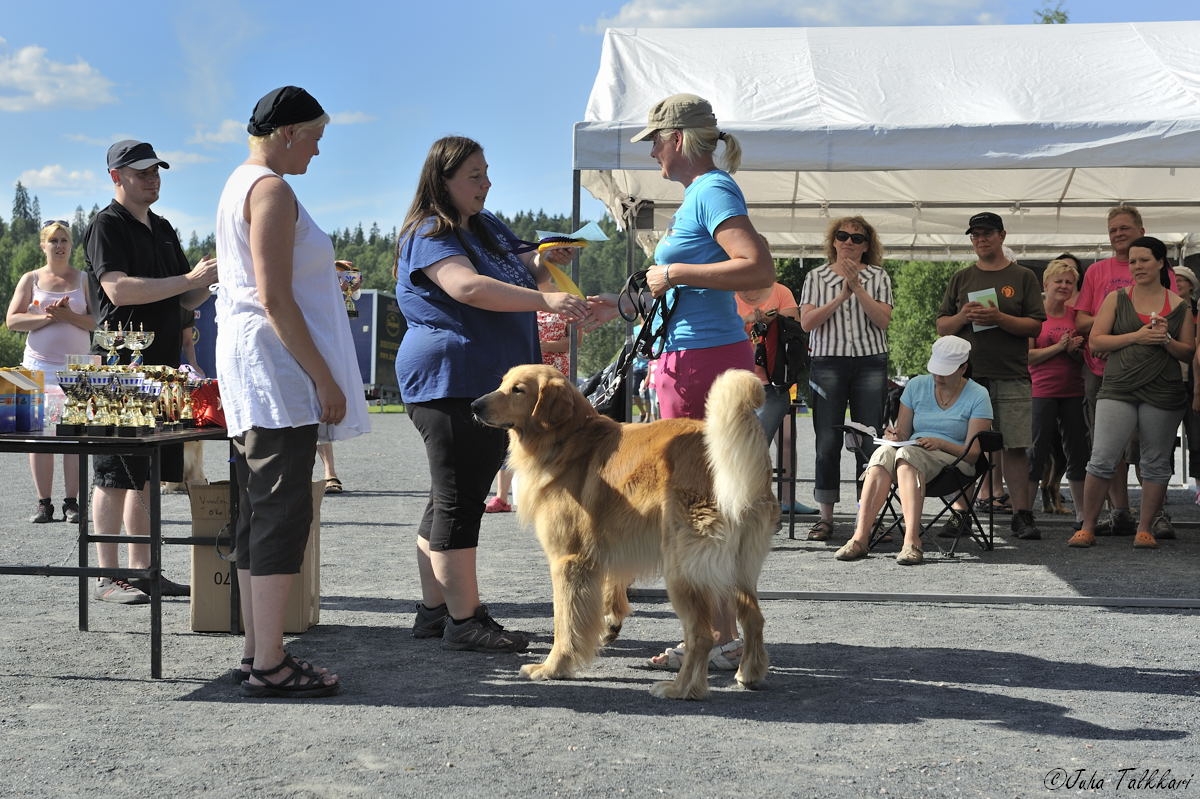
x,y
612,502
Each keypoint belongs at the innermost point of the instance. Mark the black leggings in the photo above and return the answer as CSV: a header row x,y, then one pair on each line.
x,y
464,456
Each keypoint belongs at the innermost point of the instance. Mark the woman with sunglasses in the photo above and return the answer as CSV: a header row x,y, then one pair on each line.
x,y
51,305
710,251
846,307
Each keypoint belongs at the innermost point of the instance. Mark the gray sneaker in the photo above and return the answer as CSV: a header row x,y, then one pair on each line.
x,y
1024,526
118,592
482,633
1162,527
430,622
1117,522
959,524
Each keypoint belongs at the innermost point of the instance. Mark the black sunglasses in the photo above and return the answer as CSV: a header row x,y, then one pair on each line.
x,y
857,238
51,222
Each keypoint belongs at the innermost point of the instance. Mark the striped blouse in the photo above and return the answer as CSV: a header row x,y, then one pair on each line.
x,y
848,332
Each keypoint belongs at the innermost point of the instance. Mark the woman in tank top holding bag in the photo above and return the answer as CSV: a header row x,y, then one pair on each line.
x,y
51,305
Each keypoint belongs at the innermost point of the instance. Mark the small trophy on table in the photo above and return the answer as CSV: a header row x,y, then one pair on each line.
x,y
136,341
111,340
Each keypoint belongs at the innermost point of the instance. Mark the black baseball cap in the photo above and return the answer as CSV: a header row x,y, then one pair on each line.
x,y
987,220
134,154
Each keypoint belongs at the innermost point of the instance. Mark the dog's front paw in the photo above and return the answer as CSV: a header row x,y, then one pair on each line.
x,y
543,671
670,689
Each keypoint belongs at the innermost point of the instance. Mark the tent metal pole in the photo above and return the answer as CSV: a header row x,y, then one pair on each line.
x,y
957,599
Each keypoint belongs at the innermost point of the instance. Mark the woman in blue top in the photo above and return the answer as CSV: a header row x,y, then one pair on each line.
x,y
710,251
471,305
941,411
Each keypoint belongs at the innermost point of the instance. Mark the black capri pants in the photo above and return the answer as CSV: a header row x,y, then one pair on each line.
x,y
464,456
274,473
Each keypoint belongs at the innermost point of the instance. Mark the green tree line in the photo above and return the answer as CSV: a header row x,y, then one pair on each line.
x,y
918,285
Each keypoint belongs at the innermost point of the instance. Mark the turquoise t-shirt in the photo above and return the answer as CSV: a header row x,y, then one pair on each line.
x,y
454,350
930,420
703,317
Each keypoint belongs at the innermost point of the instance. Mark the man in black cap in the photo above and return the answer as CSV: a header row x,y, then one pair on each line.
x,y
141,279
996,304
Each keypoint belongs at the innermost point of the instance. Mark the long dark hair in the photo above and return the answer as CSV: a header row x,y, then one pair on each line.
x,y
1159,251
432,200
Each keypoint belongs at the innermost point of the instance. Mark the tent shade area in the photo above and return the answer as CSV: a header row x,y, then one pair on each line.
x,y
916,128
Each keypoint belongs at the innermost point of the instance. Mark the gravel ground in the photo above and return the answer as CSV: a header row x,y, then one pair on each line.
x,y
885,697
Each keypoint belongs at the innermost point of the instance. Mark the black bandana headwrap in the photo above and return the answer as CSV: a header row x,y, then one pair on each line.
x,y
287,105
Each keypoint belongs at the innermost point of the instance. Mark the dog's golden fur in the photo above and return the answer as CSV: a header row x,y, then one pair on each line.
x,y
611,502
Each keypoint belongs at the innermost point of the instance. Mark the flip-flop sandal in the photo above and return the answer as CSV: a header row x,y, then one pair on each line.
x,y
333,486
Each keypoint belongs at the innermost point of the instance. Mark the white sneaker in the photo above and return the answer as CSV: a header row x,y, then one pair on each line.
x,y
119,592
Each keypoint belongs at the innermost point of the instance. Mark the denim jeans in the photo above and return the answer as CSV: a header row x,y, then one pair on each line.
x,y
837,383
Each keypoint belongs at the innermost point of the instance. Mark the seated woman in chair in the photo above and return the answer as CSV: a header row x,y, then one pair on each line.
x,y
939,412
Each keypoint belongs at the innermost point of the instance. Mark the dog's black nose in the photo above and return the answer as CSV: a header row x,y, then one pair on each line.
x,y
477,406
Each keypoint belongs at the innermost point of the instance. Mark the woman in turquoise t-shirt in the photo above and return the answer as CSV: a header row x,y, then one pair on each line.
x,y
710,251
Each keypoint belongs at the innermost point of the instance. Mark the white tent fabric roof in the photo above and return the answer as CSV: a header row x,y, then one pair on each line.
x,y
917,128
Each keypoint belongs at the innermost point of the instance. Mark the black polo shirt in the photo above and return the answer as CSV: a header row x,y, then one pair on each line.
x,y
116,241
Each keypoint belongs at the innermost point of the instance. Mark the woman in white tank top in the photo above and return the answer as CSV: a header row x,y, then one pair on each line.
x,y
51,305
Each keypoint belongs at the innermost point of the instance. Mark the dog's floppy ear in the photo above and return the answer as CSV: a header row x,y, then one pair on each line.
x,y
556,404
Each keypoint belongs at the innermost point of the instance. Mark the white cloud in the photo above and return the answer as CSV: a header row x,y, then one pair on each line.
x,y
773,13
351,118
30,81
229,131
57,178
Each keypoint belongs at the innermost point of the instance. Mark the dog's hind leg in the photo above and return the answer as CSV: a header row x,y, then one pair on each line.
x,y
694,606
753,668
578,619
616,606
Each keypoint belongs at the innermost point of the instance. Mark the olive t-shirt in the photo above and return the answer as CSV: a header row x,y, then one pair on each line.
x,y
997,354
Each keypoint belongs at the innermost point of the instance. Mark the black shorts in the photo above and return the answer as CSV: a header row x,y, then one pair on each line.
x,y
131,472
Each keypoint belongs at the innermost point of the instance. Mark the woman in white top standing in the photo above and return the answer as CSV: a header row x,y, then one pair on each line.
x,y
51,304
286,366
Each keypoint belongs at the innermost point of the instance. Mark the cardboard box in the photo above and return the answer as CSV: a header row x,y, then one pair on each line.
x,y
211,571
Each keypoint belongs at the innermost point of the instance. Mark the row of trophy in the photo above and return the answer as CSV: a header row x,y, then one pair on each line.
x,y
104,398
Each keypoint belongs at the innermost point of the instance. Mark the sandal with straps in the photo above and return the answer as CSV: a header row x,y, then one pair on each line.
x,y
304,682
238,675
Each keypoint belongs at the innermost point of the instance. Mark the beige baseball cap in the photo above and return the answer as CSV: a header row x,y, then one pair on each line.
x,y
677,112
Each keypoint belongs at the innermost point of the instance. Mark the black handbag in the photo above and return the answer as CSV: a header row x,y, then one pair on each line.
x,y
608,389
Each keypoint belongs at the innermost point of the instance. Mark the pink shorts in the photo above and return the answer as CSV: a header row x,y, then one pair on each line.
x,y
682,378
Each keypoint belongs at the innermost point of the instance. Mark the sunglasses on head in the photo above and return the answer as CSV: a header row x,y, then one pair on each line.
x,y
857,238
52,222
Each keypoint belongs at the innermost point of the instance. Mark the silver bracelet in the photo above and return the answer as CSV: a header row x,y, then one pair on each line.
x,y
667,275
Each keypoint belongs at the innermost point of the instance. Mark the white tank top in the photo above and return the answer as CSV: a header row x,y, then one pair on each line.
x,y
262,384
54,342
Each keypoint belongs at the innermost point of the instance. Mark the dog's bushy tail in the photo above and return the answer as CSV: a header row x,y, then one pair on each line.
x,y
737,448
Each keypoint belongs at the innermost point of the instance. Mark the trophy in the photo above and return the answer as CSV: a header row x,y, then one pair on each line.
x,y
129,417
350,281
103,400
112,340
136,341
74,415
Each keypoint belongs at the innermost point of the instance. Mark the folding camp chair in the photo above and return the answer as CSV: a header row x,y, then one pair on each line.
x,y
949,486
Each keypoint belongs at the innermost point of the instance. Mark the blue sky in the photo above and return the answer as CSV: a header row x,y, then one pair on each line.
x,y
395,76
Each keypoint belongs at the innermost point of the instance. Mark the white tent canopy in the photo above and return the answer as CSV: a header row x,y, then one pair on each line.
x,y
917,129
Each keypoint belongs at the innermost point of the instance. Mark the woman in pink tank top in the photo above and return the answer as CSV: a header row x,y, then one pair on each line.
x,y
51,305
